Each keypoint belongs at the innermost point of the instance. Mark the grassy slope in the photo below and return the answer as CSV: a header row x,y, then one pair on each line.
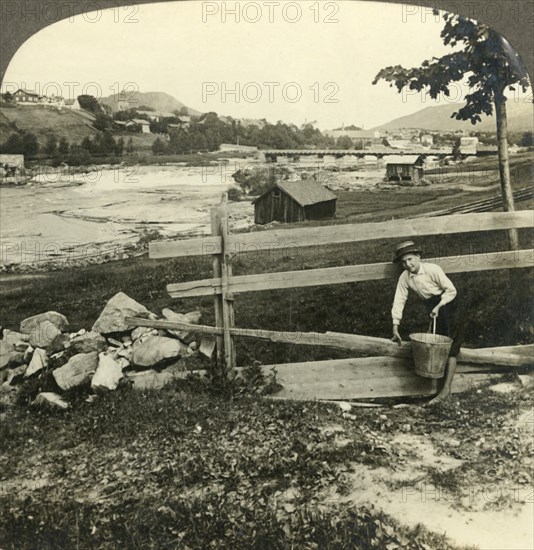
x,y
43,121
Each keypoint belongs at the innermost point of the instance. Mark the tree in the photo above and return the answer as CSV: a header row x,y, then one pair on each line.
x,y
527,139
491,67
30,145
102,121
63,147
344,142
51,145
119,147
129,146
159,146
90,103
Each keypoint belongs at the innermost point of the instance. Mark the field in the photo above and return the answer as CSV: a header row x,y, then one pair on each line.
x,y
204,465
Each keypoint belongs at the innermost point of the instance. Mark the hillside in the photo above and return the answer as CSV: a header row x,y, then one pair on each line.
x,y
160,101
43,121
520,119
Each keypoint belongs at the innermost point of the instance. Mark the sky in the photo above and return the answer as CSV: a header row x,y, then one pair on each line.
x,y
289,61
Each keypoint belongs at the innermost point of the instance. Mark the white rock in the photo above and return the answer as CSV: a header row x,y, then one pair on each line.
x,y
108,374
43,334
123,362
150,379
527,380
87,342
139,331
344,406
207,346
51,399
31,324
28,354
39,361
193,317
156,349
77,370
112,318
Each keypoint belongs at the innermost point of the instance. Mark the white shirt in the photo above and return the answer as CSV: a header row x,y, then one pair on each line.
x,y
429,281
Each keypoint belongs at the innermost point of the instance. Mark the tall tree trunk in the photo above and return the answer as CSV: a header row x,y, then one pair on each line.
x,y
504,164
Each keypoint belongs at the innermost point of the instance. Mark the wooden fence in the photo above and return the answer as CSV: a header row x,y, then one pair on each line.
x,y
390,372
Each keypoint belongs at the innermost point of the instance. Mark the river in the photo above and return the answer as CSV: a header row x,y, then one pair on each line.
x,y
60,214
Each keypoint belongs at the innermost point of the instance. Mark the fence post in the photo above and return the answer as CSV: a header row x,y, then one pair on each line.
x,y
228,312
217,274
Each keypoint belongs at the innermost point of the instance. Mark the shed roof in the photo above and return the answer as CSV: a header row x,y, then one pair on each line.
x,y
304,193
402,159
140,121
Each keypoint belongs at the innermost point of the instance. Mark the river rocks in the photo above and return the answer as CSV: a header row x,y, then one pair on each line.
x,y
77,371
38,362
193,317
31,324
87,342
112,318
15,375
15,338
108,374
141,331
50,399
44,334
156,349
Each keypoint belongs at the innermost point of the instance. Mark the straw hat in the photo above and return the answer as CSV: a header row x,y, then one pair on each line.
x,y
407,247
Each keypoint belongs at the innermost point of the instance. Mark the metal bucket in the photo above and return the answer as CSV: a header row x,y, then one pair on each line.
x,y
430,353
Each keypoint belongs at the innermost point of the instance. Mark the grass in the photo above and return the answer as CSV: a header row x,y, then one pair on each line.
x,y
175,469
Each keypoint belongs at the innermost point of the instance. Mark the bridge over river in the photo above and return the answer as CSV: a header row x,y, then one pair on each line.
x,y
295,154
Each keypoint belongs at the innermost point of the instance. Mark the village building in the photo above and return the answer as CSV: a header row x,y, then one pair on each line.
x,y
468,145
359,138
26,96
294,201
427,140
406,169
144,124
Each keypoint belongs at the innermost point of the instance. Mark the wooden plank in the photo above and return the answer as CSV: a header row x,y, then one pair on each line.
x,y
343,233
202,246
360,378
217,272
351,274
395,229
516,356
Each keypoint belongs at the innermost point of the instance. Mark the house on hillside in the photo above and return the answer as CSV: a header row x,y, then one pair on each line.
x,y
26,96
294,201
427,140
144,124
407,169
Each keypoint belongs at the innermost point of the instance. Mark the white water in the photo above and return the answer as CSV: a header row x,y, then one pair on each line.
x,y
57,214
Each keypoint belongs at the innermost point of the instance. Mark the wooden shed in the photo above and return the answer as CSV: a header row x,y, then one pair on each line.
x,y
294,201
404,168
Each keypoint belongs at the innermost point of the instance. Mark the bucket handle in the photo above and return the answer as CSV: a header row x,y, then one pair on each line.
x,y
432,325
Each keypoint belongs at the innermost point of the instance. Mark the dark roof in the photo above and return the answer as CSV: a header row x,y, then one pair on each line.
x,y
304,192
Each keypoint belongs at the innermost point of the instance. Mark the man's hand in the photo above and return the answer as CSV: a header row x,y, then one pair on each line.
x,y
396,335
435,312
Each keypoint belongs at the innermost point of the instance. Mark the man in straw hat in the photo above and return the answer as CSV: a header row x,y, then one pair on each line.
x,y
429,282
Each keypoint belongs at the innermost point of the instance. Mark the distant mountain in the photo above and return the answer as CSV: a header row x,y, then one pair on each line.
x,y
159,101
520,119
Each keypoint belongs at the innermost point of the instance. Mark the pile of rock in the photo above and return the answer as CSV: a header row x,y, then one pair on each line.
x,y
111,353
